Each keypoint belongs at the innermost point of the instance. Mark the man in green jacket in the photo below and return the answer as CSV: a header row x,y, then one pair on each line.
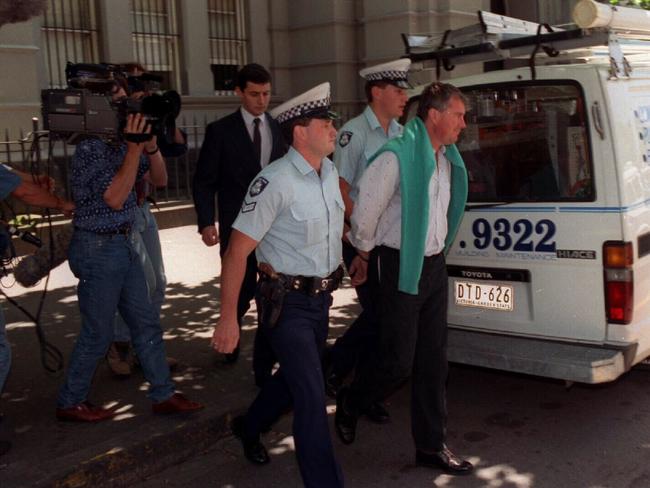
x,y
410,203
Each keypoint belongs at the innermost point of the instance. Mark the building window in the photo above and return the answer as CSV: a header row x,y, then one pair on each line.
x,y
156,39
70,34
228,43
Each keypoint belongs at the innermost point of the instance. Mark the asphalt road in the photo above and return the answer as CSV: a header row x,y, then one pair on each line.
x,y
519,431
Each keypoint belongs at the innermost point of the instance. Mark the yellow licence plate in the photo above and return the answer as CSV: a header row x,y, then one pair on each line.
x,y
484,295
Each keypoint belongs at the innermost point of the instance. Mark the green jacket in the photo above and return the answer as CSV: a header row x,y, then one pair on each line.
x,y
417,163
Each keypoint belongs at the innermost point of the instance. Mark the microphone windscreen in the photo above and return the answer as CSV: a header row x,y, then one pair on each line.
x,y
31,269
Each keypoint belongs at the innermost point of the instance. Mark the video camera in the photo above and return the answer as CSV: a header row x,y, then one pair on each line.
x,y
86,108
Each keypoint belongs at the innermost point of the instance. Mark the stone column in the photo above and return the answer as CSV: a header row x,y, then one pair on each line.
x,y
195,48
116,29
21,77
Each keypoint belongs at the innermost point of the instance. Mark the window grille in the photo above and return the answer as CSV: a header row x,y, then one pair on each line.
x,y
228,43
156,39
69,34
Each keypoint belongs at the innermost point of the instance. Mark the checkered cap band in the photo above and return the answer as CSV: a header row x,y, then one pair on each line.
x,y
302,109
392,75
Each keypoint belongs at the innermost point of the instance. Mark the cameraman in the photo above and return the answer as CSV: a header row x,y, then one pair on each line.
x,y
34,190
102,255
119,357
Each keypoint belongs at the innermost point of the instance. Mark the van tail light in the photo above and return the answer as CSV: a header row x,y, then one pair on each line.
x,y
618,258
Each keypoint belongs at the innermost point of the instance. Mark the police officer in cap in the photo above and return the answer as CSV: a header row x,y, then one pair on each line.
x,y
357,141
292,216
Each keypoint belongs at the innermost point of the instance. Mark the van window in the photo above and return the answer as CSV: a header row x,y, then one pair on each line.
x,y
526,142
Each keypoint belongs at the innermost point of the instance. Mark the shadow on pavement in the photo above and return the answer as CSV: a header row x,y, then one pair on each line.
x,y
45,449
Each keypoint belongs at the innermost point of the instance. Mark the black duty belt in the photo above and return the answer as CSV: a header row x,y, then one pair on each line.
x,y
311,285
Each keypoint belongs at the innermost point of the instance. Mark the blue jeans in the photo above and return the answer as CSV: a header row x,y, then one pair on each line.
x,y
111,278
147,247
5,352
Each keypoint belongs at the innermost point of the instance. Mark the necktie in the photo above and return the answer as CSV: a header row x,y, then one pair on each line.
x,y
257,139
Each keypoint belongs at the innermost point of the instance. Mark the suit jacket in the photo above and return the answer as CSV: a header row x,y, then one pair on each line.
x,y
226,166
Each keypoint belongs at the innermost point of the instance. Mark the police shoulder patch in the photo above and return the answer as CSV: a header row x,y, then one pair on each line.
x,y
258,186
345,137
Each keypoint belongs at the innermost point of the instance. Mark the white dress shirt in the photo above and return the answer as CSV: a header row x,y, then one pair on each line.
x,y
377,216
265,133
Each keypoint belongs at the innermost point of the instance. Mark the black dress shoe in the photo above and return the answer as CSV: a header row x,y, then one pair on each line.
x,y
254,450
445,460
231,357
344,420
377,413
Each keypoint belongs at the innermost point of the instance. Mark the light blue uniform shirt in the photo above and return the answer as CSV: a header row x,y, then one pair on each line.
x,y
357,141
296,215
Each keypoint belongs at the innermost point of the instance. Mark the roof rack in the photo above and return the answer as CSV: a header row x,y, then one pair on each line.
x,y
497,37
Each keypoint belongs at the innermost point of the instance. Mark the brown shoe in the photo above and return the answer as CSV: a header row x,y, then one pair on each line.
x,y
176,403
84,412
120,359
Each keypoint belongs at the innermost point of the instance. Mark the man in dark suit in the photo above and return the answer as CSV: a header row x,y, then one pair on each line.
x,y
234,150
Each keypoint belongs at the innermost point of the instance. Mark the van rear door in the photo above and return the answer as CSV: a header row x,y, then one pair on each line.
x,y
527,259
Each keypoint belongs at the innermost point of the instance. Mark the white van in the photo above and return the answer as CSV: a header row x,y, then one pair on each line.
x,y
550,271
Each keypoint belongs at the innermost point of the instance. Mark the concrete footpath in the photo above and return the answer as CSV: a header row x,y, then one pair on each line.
x,y
136,444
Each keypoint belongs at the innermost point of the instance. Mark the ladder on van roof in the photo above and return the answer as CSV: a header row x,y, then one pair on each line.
x,y
497,37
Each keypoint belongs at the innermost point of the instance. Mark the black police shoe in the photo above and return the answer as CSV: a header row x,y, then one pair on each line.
x,y
445,460
254,450
377,413
344,420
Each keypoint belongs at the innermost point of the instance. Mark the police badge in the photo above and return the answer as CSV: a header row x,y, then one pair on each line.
x,y
258,186
344,138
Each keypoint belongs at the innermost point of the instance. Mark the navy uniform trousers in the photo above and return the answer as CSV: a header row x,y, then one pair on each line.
x,y
361,336
298,340
412,344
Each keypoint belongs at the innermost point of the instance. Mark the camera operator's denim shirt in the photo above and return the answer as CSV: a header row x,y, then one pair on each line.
x,y
94,165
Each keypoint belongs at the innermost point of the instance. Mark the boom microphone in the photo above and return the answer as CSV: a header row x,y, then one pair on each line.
x,y
32,268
